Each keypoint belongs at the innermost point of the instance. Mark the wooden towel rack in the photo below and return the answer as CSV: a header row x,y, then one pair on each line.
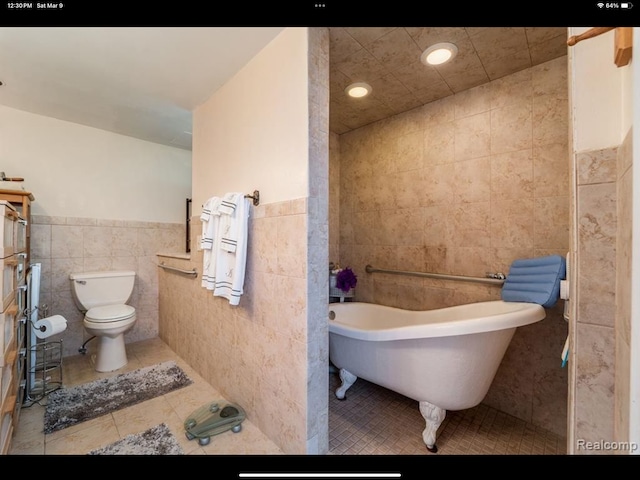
x,y
623,42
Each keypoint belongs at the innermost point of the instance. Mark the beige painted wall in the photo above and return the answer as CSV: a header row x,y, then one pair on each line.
x,y
599,86
79,171
243,138
464,186
267,129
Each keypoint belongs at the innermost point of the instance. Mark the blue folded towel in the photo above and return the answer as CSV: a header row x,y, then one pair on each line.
x,y
535,280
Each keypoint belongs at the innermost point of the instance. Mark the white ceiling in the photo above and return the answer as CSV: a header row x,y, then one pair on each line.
x,y
141,82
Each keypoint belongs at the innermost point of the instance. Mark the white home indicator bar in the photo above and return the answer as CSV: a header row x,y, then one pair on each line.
x,y
320,475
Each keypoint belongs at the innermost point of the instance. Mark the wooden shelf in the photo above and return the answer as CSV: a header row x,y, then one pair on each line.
x,y
16,195
10,405
12,390
10,357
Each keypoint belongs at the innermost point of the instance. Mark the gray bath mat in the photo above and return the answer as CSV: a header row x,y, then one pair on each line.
x,y
69,406
157,440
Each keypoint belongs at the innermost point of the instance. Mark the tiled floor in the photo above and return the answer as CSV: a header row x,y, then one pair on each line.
x,y
172,409
375,421
371,421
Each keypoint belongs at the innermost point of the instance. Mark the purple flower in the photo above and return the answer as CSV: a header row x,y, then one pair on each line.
x,y
346,279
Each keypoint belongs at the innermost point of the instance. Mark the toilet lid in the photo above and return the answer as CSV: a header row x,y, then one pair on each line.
x,y
109,313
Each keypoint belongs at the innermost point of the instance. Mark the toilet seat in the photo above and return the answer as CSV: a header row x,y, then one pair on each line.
x,y
109,313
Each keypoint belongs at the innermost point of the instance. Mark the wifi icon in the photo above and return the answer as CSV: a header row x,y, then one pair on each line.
x,y
600,5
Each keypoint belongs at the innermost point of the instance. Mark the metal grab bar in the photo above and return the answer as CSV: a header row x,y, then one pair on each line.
x,y
193,272
492,281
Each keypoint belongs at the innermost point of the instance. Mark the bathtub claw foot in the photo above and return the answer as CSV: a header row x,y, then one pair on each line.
x,y
433,416
347,379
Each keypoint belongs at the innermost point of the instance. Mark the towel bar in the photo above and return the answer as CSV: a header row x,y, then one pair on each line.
x,y
193,272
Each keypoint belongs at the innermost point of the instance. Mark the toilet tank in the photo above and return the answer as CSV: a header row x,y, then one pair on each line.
x,y
95,289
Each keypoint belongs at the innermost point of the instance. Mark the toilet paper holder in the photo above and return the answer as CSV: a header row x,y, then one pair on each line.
x,y
48,326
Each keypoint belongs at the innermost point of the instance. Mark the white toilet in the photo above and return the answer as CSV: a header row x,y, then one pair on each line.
x,y
102,297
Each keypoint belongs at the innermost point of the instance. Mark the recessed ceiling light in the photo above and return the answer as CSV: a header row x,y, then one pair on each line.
x,y
358,89
439,53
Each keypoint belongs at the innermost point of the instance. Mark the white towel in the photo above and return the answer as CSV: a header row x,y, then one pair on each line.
x,y
228,227
209,241
230,266
229,202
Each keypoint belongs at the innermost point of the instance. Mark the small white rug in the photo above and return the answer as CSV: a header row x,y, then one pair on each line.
x,y
157,440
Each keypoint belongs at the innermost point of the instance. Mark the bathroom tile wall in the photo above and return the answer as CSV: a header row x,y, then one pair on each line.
x,y
317,240
595,335
63,245
602,337
624,180
624,195
464,186
245,351
334,197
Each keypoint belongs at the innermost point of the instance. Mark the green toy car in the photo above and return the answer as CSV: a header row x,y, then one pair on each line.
x,y
213,419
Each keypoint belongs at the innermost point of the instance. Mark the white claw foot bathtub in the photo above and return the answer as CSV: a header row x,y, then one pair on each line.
x,y
445,359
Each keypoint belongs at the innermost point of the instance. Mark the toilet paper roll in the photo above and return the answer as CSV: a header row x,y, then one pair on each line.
x,y
45,327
